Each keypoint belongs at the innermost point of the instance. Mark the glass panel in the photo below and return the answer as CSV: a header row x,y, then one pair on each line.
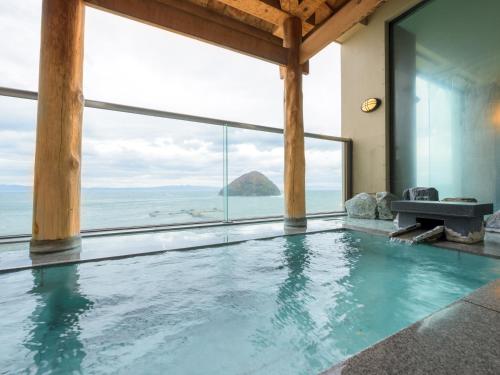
x,y
132,63
20,43
323,176
446,79
257,158
17,148
322,92
140,170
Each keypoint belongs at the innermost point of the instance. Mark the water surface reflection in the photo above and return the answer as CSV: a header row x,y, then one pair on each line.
x,y
54,338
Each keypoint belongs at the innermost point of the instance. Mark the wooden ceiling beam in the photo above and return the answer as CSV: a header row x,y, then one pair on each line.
x,y
160,14
307,8
289,5
349,15
259,9
264,11
210,14
322,13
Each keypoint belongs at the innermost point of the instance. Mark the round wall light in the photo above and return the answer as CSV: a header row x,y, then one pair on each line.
x,y
370,105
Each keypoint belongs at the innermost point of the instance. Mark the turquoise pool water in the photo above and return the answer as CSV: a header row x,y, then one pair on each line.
x,y
290,305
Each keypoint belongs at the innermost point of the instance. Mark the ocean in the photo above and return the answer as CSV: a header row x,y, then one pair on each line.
x,y
125,207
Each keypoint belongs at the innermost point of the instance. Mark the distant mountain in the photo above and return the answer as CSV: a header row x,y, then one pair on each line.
x,y
252,184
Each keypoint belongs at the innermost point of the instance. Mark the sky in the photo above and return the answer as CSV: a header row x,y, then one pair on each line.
x,y
127,62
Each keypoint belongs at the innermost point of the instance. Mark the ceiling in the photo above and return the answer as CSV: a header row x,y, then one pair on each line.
x,y
252,27
268,15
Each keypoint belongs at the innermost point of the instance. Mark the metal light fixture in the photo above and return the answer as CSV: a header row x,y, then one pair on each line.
x,y
370,105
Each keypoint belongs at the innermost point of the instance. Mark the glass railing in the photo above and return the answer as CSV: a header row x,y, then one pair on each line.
x,y
17,150
143,168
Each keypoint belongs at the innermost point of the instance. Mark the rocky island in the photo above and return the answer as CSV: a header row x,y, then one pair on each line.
x,y
252,184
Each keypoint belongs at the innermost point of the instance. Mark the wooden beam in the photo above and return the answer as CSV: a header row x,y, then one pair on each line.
x,y
211,15
289,5
307,8
160,14
294,176
266,12
322,13
349,15
259,9
56,201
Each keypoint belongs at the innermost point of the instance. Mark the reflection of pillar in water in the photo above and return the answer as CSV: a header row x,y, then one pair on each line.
x,y
54,337
293,294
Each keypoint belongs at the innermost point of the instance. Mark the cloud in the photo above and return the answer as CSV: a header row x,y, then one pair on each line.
x,y
130,63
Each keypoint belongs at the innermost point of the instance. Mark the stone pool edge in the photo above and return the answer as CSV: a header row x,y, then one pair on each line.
x,y
68,258
55,263
475,249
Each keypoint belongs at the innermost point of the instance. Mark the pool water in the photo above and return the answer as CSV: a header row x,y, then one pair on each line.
x,y
290,305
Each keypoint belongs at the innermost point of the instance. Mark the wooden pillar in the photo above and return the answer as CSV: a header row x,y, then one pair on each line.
x,y
56,202
294,179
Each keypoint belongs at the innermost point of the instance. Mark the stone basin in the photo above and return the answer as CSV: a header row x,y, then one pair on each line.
x,y
463,221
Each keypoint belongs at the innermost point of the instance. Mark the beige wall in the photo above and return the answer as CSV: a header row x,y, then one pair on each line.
x,y
364,75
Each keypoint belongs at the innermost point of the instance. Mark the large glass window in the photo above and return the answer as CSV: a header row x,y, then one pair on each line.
x,y
322,101
132,63
17,147
140,170
446,99
20,43
256,158
323,176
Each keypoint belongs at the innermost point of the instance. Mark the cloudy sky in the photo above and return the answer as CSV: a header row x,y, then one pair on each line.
x,y
130,63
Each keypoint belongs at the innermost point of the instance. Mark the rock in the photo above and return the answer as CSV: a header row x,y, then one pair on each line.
x,y
384,200
466,200
493,222
252,184
421,194
469,238
362,206
431,235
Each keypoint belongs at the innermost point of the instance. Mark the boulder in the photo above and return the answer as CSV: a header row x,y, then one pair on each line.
x,y
493,222
362,206
421,194
384,200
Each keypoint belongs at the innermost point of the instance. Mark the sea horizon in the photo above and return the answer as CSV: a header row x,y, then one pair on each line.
x,y
113,207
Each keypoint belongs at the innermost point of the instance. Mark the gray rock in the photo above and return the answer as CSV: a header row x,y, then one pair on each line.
x,y
421,194
469,238
493,222
384,200
362,206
